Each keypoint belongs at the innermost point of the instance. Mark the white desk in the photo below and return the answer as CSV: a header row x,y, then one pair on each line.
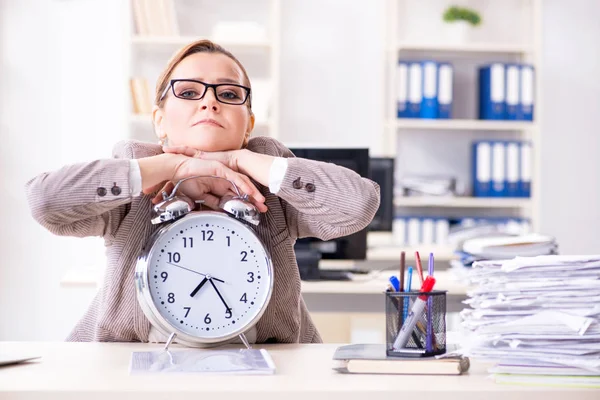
x,y
93,371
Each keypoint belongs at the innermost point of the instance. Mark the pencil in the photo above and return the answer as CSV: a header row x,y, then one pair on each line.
x,y
419,267
402,265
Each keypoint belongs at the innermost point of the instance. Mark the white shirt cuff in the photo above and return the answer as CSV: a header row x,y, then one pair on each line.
x,y
135,178
277,173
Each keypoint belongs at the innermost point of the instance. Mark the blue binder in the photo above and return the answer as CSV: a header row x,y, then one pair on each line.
x,y
445,72
513,90
491,92
415,89
402,89
513,172
499,169
482,169
527,94
429,101
526,155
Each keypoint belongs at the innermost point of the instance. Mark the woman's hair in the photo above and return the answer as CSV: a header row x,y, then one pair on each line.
x,y
200,46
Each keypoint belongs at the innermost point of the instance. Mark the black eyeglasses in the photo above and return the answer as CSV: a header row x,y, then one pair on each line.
x,y
190,89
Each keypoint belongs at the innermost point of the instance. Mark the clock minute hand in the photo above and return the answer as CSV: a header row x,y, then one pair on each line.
x,y
198,287
196,272
219,293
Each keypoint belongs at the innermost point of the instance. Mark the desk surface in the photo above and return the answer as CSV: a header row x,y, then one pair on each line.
x,y
101,371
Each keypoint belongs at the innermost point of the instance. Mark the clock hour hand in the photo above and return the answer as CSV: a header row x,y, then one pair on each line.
x,y
196,272
227,309
198,287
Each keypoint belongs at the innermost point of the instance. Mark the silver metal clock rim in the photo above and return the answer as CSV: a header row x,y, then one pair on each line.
x,y
152,313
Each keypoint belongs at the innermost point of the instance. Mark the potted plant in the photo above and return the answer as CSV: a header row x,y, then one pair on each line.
x,y
459,21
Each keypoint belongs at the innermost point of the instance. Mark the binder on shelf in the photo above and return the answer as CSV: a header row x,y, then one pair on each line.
x,y
491,92
427,231
445,72
527,93
415,89
402,89
512,169
429,100
482,169
498,169
513,72
525,170
442,230
414,231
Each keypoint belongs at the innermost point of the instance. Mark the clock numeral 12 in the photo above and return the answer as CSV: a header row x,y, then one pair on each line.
x,y
207,236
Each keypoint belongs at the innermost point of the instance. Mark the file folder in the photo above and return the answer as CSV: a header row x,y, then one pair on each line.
x,y
442,230
399,230
429,101
525,176
445,72
512,169
513,72
402,89
415,89
498,169
527,93
491,92
414,231
427,231
482,169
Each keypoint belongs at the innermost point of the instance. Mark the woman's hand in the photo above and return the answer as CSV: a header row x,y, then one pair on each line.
x,y
206,188
256,166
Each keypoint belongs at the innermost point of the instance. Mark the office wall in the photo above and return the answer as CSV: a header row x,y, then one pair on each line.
x,y
570,133
63,79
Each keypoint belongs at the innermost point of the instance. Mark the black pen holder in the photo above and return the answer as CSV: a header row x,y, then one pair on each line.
x,y
427,337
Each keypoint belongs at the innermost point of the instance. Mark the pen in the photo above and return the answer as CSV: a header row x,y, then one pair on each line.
x,y
408,284
415,313
429,336
419,267
395,283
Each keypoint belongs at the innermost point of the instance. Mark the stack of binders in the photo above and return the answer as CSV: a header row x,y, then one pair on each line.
x,y
506,92
424,89
502,169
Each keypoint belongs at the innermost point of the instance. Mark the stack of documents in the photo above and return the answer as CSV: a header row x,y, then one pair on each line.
x,y
539,317
501,247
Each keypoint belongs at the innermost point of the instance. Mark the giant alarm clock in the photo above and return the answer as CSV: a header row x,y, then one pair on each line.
x,y
205,276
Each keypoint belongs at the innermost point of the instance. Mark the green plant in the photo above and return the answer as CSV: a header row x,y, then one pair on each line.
x,y
462,14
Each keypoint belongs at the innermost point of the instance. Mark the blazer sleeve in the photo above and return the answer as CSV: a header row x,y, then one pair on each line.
x,y
322,200
84,199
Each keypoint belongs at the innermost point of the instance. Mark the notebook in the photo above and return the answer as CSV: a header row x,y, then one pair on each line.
x,y
372,359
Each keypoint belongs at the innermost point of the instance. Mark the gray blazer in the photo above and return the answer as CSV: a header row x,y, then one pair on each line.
x,y
93,199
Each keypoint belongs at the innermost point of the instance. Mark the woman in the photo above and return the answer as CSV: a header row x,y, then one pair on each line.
x,y
203,118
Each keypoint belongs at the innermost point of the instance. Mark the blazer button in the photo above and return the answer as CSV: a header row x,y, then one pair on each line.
x,y
115,190
297,184
310,187
101,191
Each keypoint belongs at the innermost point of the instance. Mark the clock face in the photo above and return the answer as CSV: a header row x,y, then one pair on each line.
x,y
209,275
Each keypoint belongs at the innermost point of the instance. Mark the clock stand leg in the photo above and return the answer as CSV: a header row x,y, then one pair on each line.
x,y
170,340
245,341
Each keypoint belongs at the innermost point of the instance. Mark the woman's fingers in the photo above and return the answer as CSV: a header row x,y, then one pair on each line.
x,y
185,150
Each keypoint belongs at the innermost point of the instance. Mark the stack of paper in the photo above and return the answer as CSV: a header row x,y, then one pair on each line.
x,y
538,316
501,247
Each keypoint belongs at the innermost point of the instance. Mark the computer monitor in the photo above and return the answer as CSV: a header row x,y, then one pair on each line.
x,y
382,172
352,247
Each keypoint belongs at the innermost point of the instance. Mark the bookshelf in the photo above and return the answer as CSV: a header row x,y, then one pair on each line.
x,y
510,33
161,27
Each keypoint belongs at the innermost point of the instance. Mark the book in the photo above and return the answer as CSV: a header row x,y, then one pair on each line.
x,y
372,359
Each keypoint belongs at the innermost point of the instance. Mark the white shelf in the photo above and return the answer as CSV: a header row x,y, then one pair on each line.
x,y
469,48
462,202
185,40
461,124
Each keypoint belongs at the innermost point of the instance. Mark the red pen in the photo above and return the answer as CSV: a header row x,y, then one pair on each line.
x,y
419,267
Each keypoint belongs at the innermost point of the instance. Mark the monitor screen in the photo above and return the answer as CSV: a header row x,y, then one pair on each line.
x,y
382,172
354,246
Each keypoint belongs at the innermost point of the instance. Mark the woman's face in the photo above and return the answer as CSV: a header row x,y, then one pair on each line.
x,y
205,124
